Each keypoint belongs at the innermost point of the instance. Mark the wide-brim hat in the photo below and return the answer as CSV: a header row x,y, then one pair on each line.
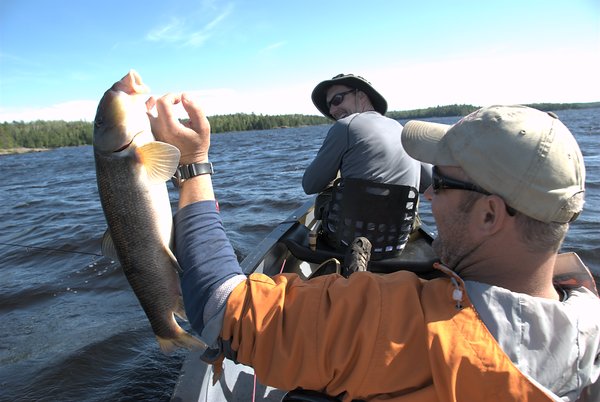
x,y
319,94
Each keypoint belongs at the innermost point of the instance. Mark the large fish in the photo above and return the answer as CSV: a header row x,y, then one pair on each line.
x,y
131,170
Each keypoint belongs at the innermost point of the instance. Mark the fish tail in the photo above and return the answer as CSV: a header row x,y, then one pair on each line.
x,y
182,340
217,369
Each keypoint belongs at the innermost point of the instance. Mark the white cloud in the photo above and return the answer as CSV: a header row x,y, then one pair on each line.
x,y
272,47
68,111
280,100
170,32
181,30
521,78
273,101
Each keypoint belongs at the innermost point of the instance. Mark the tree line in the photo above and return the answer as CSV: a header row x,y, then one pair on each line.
x,y
45,134
59,133
249,122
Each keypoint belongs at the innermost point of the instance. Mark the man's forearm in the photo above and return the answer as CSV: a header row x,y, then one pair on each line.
x,y
198,188
210,266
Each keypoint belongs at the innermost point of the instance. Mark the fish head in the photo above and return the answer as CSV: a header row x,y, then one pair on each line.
x,y
121,115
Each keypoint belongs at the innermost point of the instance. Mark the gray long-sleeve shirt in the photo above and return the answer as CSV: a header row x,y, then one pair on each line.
x,y
362,146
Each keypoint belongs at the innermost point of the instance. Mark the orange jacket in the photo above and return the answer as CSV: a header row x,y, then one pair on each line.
x,y
392,338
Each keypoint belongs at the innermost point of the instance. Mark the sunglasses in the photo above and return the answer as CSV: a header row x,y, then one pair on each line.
x,y
339,98
441,182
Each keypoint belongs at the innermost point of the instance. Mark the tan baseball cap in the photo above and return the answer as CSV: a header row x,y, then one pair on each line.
x,y
528,157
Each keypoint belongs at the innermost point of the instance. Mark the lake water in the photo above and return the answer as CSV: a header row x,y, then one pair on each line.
x,y
71,328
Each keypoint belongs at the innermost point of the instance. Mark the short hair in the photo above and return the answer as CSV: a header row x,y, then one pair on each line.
x,y
546,236
538,236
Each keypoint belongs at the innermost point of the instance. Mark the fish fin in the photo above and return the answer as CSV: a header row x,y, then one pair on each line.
x,y
217,369
174,261
160,160
180,309
108,246
183,340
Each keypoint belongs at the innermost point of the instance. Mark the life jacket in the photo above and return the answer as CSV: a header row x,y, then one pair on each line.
x,y
467,363
457,359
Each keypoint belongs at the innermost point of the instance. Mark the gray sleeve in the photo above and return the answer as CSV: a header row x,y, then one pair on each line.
x,y
324,168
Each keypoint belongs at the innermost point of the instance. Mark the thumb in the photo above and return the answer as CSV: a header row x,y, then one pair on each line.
x,y
150,104
195,112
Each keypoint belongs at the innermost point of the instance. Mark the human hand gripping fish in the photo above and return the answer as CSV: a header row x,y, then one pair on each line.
x,y
131,170
191,137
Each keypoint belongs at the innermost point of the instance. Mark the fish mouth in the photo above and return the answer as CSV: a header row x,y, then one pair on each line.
x,y
124,147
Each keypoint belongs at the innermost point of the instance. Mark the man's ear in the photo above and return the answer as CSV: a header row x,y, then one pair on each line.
x,y
492,213
364,99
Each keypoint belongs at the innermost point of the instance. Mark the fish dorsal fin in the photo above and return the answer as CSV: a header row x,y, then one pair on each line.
x,y
174,261
108,246
160,160
179,309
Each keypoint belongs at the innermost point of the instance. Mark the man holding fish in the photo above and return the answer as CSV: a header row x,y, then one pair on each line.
x,y
507,182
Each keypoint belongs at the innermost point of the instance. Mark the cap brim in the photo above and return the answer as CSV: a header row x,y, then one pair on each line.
x,y
423,141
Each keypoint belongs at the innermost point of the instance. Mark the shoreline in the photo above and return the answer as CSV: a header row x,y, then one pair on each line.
x,y
21,150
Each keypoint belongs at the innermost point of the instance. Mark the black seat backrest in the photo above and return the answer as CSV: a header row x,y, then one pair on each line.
x,y
383,213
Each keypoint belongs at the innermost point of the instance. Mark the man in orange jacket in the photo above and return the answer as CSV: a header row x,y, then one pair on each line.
x,y
507,182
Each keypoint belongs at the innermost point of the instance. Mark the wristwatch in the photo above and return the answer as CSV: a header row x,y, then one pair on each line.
x,y
185,172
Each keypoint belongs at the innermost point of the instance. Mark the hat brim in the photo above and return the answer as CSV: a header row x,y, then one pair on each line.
x,y
319,94
423,141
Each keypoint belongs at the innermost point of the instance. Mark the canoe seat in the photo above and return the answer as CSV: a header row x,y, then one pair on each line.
x,y
418,256
383,213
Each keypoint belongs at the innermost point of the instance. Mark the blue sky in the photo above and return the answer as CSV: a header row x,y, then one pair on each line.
x,y
58,57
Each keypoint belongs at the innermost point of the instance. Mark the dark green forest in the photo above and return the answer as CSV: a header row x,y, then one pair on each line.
x,y
58,133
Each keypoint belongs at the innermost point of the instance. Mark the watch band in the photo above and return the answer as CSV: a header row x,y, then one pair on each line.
x,y
185,172
194,169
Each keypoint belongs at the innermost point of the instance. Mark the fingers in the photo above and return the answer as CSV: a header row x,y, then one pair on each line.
x,y
164,106
165,123
194,111
197,117
150,103
162,116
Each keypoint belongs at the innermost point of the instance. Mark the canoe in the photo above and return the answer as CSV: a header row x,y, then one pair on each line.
x,y
287,249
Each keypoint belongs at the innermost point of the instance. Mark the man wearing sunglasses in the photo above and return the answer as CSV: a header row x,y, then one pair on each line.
x,y
362,144
510,319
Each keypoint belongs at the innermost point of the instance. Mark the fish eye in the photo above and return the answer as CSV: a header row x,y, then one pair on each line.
x,y
98,122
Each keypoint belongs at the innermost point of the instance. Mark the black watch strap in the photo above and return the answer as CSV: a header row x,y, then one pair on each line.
x,y
185,172
194,169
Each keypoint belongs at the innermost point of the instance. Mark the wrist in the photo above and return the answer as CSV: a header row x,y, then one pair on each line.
x,y
186,172
199,157
189,161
